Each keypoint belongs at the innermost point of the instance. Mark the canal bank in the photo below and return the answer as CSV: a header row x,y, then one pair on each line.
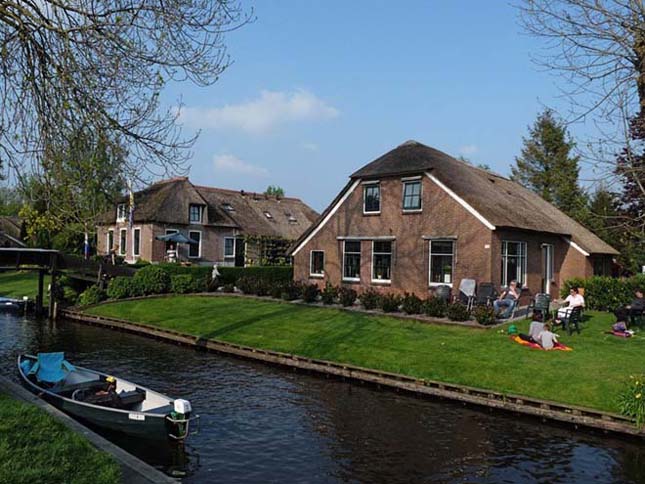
x,y
133,470
548,409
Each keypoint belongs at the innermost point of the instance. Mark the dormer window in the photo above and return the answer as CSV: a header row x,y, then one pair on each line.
x,y
196,213
121,212
268,215
293,220
371,198
228,207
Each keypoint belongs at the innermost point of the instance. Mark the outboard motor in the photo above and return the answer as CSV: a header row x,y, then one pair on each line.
x,y
180,417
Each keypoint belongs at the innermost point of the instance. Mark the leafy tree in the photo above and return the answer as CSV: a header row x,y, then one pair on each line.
x,y
10,201
547,166
274,191
101,65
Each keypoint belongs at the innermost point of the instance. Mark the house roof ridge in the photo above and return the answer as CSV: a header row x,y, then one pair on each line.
x,y
249,193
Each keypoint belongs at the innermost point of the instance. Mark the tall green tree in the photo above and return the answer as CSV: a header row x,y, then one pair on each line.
x,y
275,191
547,165
10,201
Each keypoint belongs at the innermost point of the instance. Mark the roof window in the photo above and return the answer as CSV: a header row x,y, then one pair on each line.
x,y
268,215
228,207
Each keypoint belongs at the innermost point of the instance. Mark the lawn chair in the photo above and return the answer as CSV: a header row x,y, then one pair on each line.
x,y
542,303
467,292
636,317
486,294
572,319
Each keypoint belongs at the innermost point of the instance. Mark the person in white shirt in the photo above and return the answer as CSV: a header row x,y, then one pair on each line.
x,y
546,338
573,300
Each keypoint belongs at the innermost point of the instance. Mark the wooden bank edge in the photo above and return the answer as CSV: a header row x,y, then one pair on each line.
x,y
571,414
133,470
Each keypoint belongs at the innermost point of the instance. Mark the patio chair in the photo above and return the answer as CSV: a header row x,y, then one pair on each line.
x,y
636,317
486,294
467,292
572,319
542,303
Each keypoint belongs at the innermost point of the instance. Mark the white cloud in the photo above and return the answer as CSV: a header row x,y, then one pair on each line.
x,y
468,149
232,164
271,109
310,146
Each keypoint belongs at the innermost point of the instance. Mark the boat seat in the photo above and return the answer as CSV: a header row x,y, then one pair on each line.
x,y
132,397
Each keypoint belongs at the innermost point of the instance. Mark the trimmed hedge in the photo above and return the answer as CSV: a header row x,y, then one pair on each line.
x,y
152,280
270,274
606,293
91,295
120,287
182,283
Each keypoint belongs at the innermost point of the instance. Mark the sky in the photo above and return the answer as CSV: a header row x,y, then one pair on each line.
x,y
318,89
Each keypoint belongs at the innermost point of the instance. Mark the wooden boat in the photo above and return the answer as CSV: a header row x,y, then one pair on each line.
x,y
110,402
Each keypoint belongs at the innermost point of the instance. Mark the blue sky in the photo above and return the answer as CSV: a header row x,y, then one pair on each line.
x,y
318,89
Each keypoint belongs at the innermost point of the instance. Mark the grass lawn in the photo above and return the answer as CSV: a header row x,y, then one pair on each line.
x,y
35,447
19,284
591,375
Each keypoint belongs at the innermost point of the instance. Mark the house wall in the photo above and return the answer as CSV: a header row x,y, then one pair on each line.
x,y
441,216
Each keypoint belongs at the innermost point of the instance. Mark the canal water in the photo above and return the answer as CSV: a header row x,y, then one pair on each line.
x,y
265,424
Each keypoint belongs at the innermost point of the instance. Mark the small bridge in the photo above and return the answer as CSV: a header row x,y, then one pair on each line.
x,y
55,263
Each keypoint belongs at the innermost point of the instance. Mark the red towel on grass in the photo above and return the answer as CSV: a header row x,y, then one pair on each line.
x,y
557,346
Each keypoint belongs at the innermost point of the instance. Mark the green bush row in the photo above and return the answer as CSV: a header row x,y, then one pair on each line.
x,y
269,274
606,293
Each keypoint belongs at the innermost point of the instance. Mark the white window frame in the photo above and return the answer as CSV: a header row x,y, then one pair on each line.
x,y
505,279
135,230
123,248
199,247
550,252
229,256
352,279
366,185
391,253
311,264
201,214
406,181
430,254
107,241
119,217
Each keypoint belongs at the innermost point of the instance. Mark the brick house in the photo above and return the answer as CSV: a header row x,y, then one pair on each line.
x,y
230,227
416,218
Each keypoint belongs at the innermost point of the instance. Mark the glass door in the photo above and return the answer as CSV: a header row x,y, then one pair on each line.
x,y
547,267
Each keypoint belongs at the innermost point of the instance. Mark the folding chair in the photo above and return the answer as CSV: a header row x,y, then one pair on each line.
x,y
467,292
486,294
542,303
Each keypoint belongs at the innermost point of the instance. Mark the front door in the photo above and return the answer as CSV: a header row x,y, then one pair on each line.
x,y
239,252
547,267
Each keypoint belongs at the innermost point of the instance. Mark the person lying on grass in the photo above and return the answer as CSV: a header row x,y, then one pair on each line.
x,y
546,338
535,328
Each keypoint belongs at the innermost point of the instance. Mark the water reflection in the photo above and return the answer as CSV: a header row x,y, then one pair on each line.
x,y
262,424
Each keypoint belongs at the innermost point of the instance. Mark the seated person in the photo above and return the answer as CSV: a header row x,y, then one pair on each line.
x,y
536,327
636,306
546,338
507,300
573,300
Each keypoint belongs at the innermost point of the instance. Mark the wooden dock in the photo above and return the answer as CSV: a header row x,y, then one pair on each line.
x,y
577,416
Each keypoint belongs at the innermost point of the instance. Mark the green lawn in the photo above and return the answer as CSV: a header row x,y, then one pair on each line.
x,y
592,375
35,447
19,284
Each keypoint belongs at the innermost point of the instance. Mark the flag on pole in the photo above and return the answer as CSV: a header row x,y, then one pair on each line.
x,y
86,247
131,212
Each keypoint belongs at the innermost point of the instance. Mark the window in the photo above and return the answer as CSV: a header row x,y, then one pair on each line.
x,y
381,261
513,262
136,242
195,250
123,240
352,260
293,220
268,215
228,207
317,263
229,247
195,213
372,198
110,241
442,257
412,195
601,266
121,212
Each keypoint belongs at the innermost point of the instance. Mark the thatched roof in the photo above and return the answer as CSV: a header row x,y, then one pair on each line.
x,y
502,202
167,202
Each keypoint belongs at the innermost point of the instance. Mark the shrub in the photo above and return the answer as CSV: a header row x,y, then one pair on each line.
x,y
370,299
390,303
605,293
181,283
346,296
91,295
457,312
228,288
631,401
119,287
292,291
484,315
270,274
329,294
69,295
411,304
435,307
152,280
310,293
246,285
276,290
